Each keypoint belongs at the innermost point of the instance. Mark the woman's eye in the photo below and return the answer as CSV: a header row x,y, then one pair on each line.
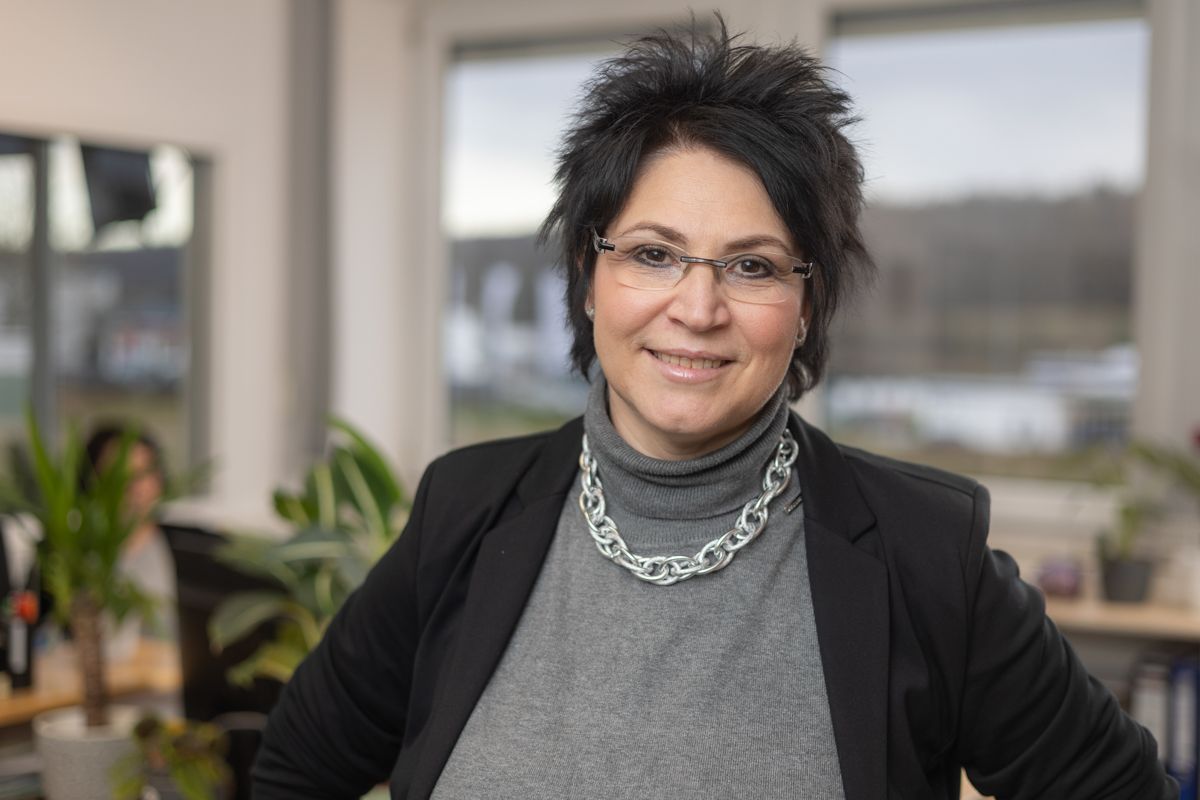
x,y
752,267
655,256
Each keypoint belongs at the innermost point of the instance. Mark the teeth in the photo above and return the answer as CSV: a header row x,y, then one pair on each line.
x,y
688,363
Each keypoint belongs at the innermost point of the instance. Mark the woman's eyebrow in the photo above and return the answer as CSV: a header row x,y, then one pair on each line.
x,y
665,231
673,236
761,240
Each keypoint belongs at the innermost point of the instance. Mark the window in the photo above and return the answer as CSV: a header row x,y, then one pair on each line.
x,y
93,322
1003,165
506,343
16,319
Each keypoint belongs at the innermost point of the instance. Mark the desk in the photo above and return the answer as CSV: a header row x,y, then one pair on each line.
x,y
1130,620
153,667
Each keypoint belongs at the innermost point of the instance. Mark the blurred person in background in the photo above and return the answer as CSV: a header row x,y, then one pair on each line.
x,y
145,557
690,591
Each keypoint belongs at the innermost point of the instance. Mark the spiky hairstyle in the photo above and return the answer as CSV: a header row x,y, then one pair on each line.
x,y
771,109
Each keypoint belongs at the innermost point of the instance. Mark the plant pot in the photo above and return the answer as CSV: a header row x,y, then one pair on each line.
x,y
77,760
1126,580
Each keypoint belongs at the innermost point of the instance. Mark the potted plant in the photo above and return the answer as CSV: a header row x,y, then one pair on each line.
x,y
1125,576
1180,467
351,509
1125,573
174,760
84,520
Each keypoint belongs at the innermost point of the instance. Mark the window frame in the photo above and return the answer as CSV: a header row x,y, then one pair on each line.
x,y
1022,507
44,276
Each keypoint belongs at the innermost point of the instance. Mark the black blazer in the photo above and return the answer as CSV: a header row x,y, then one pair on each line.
x,y
935,654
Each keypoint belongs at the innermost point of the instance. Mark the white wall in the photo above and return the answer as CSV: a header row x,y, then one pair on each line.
x,y
208,76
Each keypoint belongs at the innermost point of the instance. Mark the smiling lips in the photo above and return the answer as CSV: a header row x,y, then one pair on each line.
x,y
694,362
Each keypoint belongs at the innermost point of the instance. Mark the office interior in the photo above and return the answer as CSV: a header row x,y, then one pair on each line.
x,y
339,232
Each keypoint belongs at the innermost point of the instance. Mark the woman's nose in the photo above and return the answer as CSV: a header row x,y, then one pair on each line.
x,y
699,299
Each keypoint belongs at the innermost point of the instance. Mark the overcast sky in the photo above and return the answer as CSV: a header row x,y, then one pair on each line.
x,y
1047,110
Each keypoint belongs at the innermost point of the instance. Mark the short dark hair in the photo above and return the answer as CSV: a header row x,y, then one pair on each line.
x,y
771,109
109,433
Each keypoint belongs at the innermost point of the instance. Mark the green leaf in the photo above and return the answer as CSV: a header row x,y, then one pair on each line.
x,y
310,551
126,778
324,590
240,614
322,478
273,660
352,570
192,783
370,455
289,507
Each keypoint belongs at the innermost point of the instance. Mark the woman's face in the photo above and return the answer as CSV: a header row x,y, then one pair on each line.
x,y
146,482
672,410
145,478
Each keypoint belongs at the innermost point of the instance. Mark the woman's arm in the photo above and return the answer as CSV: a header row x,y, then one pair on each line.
x,y
337,727
1034,723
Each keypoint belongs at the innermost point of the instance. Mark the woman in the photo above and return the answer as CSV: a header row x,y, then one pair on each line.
x,y
768,615
145,557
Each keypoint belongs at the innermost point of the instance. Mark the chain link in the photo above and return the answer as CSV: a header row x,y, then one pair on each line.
x,y
666,570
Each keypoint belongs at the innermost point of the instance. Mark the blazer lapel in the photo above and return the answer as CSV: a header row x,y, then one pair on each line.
x,y
850,603
506,567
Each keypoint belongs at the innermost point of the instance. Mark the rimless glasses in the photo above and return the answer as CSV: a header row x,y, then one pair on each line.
x,y
644,263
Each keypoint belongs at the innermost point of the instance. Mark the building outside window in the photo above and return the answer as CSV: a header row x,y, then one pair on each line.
x,y
1003,165
506,344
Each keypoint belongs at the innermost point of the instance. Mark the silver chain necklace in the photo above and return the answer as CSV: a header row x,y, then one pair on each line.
x,y
666,570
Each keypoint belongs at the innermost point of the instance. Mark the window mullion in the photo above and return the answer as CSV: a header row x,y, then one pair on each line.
x,y
41,264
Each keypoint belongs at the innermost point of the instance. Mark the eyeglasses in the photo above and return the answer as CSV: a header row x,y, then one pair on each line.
x,y
763,277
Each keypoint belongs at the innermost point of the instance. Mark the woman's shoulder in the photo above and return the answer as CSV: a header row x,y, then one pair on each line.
x,y
492,471
508,451
930,524
879,475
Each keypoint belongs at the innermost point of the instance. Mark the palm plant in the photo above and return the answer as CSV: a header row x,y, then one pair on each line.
x,y
351,509
85,522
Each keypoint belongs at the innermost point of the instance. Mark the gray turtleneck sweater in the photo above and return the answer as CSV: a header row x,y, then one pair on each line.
x,y
614,688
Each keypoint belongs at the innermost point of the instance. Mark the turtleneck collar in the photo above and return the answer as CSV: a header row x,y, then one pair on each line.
x,y
701,488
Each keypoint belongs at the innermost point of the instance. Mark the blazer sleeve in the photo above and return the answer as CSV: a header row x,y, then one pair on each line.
x,y
1034,723
337,728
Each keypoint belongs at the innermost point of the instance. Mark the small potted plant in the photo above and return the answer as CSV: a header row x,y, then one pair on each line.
x,y
1125,575
174,760
1179,468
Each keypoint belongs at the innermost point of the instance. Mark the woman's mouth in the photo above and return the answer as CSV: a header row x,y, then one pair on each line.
x,y
686,362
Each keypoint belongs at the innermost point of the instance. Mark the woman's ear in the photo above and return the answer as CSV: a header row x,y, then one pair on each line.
x,y
806,310
589,300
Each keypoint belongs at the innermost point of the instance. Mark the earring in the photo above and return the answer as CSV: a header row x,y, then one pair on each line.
x,y
803,335
590,312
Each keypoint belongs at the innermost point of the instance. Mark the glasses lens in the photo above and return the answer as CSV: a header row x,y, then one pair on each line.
x,y
646,263
760,277
748,277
